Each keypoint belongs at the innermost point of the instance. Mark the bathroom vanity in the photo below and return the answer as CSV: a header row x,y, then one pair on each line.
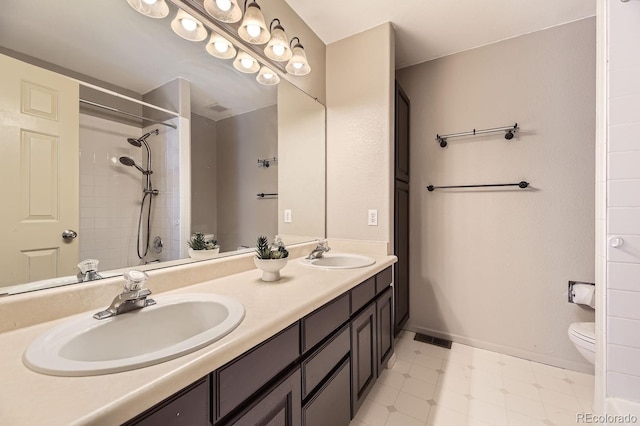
x,y
307,352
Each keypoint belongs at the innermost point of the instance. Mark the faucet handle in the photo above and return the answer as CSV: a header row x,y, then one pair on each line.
x,y
134,280
88,265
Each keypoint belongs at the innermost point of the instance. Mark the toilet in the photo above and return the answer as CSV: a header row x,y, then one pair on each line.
x,y
583,336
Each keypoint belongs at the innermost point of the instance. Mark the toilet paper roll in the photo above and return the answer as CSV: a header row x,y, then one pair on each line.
x,y
584,294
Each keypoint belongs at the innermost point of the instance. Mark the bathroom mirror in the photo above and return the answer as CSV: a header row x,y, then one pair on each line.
x,y
242,177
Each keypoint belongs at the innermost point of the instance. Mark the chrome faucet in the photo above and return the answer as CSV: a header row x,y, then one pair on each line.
x,y
133,297
321,248
88,270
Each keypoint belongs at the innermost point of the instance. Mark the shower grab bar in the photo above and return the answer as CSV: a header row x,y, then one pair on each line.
x,y
262,194
509,131
84,101
521,185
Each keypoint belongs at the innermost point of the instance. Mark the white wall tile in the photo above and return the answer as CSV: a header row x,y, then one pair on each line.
x,y
624,81
624,332
623,359
624,193
624,220
624,109
623,276
624,165
623,304
624,137
629,251
625,386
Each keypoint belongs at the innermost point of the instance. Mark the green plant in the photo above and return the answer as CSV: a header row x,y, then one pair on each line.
x,y
265,251
199,242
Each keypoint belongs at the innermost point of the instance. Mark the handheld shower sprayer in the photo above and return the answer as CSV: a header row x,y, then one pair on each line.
x,y
128,161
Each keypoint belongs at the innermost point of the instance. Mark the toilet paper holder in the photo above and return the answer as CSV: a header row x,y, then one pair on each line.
x,y
570,289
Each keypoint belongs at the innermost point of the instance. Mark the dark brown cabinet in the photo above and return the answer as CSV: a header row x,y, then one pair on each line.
x,y
331,405
384,314
363,355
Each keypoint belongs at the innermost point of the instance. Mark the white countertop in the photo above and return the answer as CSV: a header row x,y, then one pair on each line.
x,y
28,398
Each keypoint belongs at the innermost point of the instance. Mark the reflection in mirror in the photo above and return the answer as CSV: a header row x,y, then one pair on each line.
x,y
179,149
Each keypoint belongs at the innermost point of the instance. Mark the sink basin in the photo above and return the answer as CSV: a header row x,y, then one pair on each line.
x,y
175,326
340,261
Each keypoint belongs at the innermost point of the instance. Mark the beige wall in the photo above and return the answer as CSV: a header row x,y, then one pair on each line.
x,y
360,76
490,268
241,141
301,164
204,172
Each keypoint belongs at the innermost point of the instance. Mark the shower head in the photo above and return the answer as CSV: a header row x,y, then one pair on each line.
x,y
128,161
138,142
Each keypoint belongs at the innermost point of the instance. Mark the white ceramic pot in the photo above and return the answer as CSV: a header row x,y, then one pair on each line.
x,y
203,254
270,268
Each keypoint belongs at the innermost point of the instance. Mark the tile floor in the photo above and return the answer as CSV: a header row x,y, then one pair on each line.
x,y
461,386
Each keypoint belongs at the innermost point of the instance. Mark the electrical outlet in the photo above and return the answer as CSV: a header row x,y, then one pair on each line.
x,y
372,218
287,216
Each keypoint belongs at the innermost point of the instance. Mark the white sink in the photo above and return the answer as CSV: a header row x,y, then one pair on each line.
x,y
175,326
339,261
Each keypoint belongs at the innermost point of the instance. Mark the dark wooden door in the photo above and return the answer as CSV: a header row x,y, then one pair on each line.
x,y
363,355
384,312
401,210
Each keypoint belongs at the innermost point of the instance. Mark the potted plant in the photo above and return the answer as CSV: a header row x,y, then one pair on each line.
x,y
270,258
201,247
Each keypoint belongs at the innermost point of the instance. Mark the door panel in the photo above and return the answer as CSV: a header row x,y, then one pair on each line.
x,y
39,165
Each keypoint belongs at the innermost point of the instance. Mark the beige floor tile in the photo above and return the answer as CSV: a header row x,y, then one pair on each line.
x,y
412,406
520,388
418,388
450,399
487,365
372,413
525,406
401,367
443,416
383,394
581,378
519,373
400,419
560,400
548,370
357,422
513,361
405,354
489,394
518,419
493,414
423,373
454,383
428,361
561,417
556,385
392,378
487,379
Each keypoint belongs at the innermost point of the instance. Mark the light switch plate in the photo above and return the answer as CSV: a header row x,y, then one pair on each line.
x,y
372,218
287,216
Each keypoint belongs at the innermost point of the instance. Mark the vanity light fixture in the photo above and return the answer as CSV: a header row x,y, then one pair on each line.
x,y
267,77
188,27
151,8
220,47
278,48
246,63
253,28
298,64
224,10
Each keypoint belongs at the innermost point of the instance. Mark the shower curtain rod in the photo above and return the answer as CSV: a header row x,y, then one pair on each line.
x,y
522,185
84,101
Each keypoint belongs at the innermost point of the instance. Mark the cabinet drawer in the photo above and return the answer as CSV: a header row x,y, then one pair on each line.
x,y
383,280
362,294
242,377
321,323
331,405
189,407
322,361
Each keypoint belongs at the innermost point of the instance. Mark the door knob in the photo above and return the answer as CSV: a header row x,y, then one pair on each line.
x,y
69,234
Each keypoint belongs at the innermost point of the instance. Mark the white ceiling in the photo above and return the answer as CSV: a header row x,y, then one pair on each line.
x,y
428,29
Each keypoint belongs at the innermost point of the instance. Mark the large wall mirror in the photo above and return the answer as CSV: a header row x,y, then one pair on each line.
x,y
170,141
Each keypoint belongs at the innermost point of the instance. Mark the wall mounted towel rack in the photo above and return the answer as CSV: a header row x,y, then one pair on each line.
x,y
508,135
266,195
266,162
521,185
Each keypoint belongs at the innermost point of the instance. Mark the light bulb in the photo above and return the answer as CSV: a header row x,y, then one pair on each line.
x,y
278,49
188,24
253,30
268,75
297,65
150,2
246,62
223,4
221,46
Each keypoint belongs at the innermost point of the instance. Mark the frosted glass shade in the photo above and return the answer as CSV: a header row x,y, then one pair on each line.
x,y
267,77
298,64
253,28
278,48
182,24
223,10
220,47
246,63
153,9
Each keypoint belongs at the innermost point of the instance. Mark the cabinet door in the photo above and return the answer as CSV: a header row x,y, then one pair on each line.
x,y
189,407
280,406
384,312
401,245
363,355
331,404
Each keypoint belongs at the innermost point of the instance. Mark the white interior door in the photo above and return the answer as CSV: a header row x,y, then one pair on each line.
x,y
39,184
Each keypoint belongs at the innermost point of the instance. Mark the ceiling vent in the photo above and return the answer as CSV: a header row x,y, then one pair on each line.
x,y
217,108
